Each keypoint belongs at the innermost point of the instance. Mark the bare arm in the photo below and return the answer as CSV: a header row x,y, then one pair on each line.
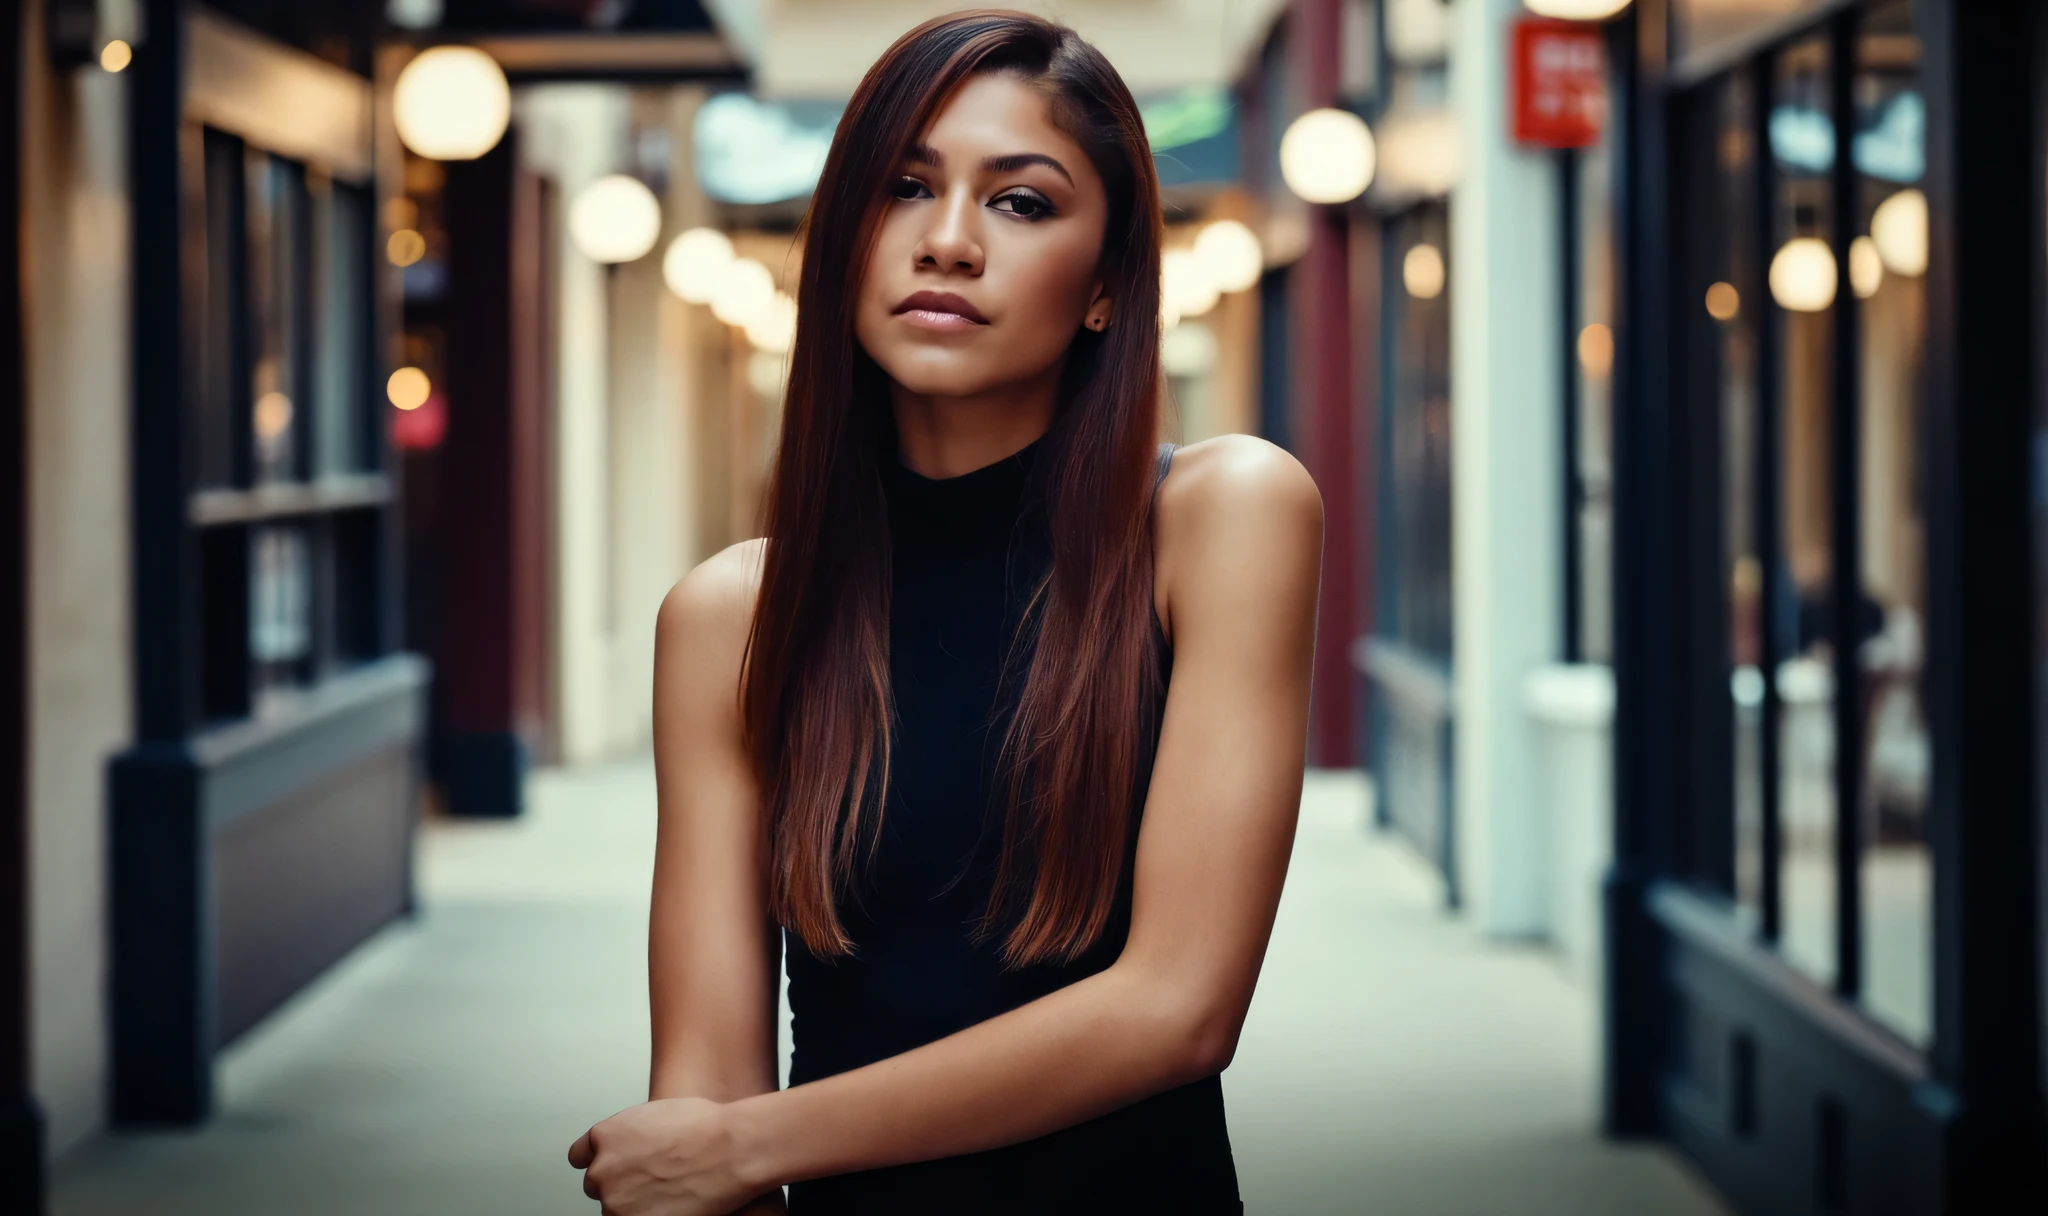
x,y
713,949
1239,553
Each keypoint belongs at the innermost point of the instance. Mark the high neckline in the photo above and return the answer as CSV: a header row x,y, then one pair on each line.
x,y
957,512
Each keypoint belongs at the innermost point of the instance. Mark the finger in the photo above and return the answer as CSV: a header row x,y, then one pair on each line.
x,y
581,1153
590,1188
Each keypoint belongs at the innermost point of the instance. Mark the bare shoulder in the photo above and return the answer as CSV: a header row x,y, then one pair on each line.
x,y
704,619
1235,513
1236,480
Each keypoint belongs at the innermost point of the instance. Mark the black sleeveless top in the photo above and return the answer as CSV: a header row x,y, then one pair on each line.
x,y
967,552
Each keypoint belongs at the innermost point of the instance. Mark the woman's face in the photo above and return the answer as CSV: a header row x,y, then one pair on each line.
x,y
987,260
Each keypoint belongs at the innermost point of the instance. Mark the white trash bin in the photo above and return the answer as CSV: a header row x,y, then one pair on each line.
x,y
1571,709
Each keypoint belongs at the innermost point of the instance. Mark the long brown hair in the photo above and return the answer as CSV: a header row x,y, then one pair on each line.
x,y
815,696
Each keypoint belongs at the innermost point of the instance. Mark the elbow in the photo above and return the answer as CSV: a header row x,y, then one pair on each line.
x,y
1208,1039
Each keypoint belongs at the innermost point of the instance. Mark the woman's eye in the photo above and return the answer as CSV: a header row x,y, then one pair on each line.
x,y
908,188
1025,204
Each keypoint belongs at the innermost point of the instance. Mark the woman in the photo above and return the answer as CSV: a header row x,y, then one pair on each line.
x,y
912,733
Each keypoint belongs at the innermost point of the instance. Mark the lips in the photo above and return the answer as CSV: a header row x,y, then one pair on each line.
x,y
940,310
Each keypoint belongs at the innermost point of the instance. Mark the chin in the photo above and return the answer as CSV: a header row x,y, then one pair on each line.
x,y
941,374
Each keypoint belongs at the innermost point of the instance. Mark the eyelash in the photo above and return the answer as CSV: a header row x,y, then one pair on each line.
x,y
906,189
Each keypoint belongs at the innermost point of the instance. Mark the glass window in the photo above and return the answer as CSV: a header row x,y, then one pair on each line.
x,y
1723,304
1801,280
1887,265
342,268
1415,544
277,248
1595,352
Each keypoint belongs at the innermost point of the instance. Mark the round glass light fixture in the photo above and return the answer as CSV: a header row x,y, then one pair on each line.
x,y
1899,229
451,103
695,262
1185,284
1328,156
1723,302
1803,275
1575,10
116,56
1866,268
1422,272
1230,255
615,219
775,330
745,294
408,388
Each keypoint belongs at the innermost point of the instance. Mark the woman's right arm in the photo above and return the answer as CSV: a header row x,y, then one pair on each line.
x,y
714,951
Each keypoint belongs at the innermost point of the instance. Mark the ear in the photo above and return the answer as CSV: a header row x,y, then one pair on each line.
x,y
1100,312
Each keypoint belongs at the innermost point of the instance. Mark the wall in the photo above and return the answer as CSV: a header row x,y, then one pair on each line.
x,y
76,272
630,431
1507,475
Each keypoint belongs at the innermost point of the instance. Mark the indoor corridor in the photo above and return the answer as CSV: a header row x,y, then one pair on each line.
x,y
1393,1062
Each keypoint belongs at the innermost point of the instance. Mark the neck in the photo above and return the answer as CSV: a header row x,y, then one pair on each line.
x,y
946,436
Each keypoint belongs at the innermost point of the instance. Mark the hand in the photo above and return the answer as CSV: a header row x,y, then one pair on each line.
x,y
674,1157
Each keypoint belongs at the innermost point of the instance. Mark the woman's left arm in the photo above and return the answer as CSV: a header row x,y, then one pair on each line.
x,y
1239,549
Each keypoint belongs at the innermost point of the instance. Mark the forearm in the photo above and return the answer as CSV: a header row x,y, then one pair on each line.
x,y
1076,1053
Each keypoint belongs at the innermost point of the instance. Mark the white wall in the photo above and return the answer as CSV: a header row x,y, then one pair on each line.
x,y
625,511
1507,548
76,267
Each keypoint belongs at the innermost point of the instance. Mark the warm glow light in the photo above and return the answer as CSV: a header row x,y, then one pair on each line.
x,y
767,373
1722,302
451,103
273,415
408,388
695,262
1596,350
1327,156
1185,284
116,55
1188,350
1422,272
1899,229
1230,255
1803,275
775,330
745,294
1576,10
405,247
615,219
1866,268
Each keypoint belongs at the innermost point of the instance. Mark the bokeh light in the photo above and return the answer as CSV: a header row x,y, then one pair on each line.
x,y
615,219
451,103
408,388
695,263
1328,156
1422,272
1803,275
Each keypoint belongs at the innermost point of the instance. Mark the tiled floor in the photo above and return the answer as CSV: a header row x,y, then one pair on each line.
x,y
1393,1063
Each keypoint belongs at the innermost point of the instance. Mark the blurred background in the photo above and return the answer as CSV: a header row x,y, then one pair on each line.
x,y
1673,840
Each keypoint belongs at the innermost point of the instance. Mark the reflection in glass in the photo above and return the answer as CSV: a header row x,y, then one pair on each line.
x,y
1731,280
1596,395
1419,437
276,220
1802,206
1897,873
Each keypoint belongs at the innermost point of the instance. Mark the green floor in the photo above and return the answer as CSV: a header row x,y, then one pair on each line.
x,y
1393,1062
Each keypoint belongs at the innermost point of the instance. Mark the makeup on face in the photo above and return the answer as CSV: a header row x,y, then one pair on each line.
x,y
987,252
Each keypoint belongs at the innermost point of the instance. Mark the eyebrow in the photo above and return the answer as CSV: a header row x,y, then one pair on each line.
x,y
924,154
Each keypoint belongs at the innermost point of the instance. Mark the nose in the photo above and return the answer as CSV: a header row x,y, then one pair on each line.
x,y
952,244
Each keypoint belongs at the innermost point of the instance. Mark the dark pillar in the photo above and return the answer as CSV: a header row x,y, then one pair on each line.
x,y
1646,644
1985,202
1324,434
491,662
21,1131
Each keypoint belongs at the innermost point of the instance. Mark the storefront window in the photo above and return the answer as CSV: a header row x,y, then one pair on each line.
x,y
1887,266
1416,540
1802,280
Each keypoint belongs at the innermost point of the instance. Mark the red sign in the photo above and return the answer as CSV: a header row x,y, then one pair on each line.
x,y
1560,83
